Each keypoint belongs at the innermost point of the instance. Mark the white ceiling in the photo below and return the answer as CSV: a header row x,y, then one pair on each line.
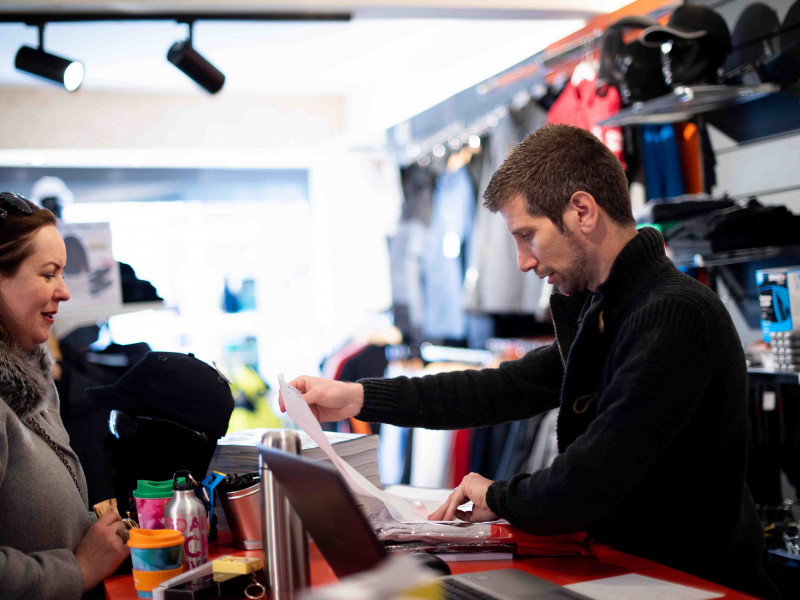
x,y
390,65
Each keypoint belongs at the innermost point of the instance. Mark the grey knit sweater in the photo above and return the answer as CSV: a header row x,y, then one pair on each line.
x,y
42,515
650,378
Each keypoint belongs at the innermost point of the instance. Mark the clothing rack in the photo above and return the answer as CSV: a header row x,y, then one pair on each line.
x,y
433,353
475,111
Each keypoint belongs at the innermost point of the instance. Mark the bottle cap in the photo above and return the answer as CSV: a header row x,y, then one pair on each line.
x,y
182,481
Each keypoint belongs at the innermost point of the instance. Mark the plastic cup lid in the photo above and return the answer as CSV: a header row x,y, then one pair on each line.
x,y
154,538
153,489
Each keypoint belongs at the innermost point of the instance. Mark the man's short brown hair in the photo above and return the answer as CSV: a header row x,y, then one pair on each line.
x,y
553,163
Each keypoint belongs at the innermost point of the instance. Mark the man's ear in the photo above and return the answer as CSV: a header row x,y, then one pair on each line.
x,y
585,211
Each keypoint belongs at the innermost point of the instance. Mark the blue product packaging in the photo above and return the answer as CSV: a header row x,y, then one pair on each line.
x,y
779,299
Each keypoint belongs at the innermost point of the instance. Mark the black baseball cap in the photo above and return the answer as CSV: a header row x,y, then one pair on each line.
x,y
690,22
171,385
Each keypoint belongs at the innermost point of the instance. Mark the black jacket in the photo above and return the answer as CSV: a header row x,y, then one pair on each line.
x,y
650,377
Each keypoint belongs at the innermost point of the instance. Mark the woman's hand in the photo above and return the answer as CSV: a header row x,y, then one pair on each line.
x,y
101,550
472,487
329,400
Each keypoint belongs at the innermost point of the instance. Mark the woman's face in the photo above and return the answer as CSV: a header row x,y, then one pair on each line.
x,y
29,299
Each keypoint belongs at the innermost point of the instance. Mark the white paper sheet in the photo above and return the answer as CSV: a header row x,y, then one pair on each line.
x,y
639,587
401,509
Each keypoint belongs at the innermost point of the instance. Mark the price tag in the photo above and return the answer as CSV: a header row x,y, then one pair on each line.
x,y
768,400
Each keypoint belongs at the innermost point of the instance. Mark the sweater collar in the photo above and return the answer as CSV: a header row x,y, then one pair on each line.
x,y
633,266
24,376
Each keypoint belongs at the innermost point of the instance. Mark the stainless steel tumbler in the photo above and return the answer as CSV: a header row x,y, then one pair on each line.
x,y
283,536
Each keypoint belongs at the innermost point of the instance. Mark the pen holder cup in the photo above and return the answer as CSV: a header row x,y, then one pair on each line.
x,y
243,513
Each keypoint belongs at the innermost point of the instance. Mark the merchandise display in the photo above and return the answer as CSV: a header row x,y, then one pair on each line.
x,y
694,44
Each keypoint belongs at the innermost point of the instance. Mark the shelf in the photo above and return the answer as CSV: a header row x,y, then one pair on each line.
x,y
776,376
684,102
71,317
715,259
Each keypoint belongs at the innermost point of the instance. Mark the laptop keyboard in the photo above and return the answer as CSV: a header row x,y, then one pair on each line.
x,y
455,590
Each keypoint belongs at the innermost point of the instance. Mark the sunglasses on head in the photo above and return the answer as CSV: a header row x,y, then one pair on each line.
x,y
15,201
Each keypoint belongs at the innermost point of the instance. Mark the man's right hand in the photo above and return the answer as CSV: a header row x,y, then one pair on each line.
x,y
329,400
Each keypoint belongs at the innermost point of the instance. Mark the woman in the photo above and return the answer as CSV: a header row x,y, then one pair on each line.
x,y
50,545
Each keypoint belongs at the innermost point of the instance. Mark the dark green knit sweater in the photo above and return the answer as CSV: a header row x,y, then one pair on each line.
x,y
650,377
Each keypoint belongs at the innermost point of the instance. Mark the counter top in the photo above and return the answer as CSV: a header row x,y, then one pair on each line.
x,y
607,562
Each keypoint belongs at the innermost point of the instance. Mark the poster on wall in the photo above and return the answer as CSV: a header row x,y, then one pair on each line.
x,y
92,274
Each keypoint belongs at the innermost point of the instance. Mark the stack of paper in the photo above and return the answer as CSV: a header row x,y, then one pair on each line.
x,y
238,452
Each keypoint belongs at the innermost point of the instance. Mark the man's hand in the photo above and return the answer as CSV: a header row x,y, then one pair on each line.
x,y
329,400
101,550
472,487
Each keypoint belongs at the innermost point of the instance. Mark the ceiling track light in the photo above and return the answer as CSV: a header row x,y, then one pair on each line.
x,y
63,71
187,59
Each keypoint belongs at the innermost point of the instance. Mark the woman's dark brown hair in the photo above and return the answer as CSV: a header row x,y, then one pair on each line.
x,y
17,233
16,241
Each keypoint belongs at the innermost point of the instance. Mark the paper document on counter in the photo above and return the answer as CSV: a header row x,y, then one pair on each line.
x,y
639,587
298,410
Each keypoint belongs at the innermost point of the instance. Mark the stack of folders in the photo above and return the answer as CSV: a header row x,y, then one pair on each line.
x,y
238,452
786,350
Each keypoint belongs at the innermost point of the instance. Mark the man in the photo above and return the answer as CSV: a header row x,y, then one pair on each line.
x,y
647,371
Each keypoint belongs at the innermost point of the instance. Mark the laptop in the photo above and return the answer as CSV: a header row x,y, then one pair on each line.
x,y
330,514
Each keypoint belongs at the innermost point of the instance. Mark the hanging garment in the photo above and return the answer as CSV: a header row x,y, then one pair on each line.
x,y
545,446
689,150
459,457
582,107
519,447
431,449
391,453
443,261
493,283
406,248
661,159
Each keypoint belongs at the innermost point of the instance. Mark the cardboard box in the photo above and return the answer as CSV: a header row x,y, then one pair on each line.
x,y
779,299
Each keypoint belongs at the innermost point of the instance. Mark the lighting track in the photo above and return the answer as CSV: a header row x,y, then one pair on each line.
x,y
69,73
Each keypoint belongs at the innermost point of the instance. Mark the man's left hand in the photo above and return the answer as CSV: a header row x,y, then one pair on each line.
x,y
472,487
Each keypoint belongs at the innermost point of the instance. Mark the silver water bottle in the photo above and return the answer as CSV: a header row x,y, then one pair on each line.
x,y
283,535
187,514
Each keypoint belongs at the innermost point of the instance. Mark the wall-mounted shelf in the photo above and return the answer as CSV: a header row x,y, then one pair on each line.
x,y
715,259
789,377
684,102
72,317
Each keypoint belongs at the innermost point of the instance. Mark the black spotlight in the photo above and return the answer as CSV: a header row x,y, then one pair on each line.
x,y
187,59
36,61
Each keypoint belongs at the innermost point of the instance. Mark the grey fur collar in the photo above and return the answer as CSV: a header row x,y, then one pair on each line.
x,y
24,378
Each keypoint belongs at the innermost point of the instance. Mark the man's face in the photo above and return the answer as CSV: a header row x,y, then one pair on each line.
x,y
543,249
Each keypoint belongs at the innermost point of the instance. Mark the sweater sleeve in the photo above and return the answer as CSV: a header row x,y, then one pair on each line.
x,y
39,575
660,375
516,390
